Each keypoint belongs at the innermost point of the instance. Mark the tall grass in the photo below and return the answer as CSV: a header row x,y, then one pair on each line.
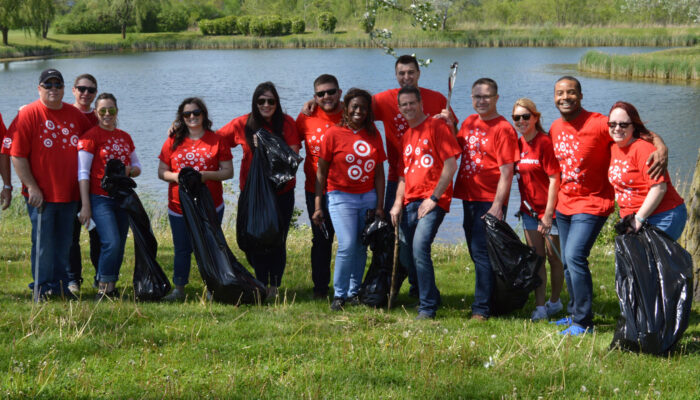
x,y
674,64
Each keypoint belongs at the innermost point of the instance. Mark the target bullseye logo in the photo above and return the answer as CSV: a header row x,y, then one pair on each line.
x,y
354,172
48,143
369,166
361,148
408,150
189,156
74,140
350,158
50,125
426,161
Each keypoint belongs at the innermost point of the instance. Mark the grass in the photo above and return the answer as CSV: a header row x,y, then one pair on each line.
x,y
22,45
673,64
296,348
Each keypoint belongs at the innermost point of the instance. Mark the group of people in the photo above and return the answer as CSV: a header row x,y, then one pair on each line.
x,y
569,179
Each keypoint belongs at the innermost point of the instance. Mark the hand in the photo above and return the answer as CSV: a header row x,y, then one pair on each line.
x,y
658,162
545,224
635,225
318,217
173,127
395,214
425,207
36,197
255,140
85,215
379,212
446,115
5,198
308,108
496,212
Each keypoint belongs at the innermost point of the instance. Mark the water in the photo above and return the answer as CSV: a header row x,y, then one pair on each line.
x,y
150,86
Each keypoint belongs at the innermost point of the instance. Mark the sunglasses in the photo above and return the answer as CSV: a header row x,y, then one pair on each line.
x,y
90,89
50,85
262,101
622,125
188,114
107,110
323,93
525,117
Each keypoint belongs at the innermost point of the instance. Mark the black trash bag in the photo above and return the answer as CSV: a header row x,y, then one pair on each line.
x,y
227,280
654,283
150,282
514,264
378,234
281,162
258,224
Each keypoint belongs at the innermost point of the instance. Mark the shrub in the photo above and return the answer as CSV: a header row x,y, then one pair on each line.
x,y
206,27
87,22
286,26
243,24
326,22
298,25
220,26
257,26
273,25
172,19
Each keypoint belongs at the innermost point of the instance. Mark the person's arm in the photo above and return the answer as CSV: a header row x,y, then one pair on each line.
x,y
308,107
84,166
546,220
379,183
225,172
398,203
6,193
447,116
164,173
134,169
653,199
658,160
321,180
24,172
448,172
502,190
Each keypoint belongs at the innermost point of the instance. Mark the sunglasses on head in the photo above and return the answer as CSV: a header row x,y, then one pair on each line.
x,y
261,102
622,125
107,110
49,85
323,93
525,117
90,89
188,114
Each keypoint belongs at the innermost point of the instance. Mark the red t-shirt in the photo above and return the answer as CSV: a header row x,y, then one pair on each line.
x,y
425,149
537,163
311,130
582,147
486,145
385,107
90,115
234,135
49,139
5,137
353,159
628,176
105,145
204,154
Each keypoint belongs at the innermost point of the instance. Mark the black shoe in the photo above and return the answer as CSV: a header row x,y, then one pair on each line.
x,y
353,301
111,295
337,304
422,316
320,295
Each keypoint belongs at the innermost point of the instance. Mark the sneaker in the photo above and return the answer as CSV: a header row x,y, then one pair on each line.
x,y
539,314
103,295
353,301
423,316
553,308
478,318
337,304
74,288
575,330
175,295
567,321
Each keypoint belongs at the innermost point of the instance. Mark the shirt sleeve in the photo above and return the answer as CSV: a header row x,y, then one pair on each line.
x,y
224,151
134,160
166,151
84,165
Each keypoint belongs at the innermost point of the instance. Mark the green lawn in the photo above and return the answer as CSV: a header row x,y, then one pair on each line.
x,y
295,347
676,64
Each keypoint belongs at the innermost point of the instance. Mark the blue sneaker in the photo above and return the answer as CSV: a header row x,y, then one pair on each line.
x,y
566,321
575,330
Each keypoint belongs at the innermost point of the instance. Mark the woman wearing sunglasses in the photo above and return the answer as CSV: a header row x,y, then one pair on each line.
x,y
351,171
191,143
538,176
95,148
266,112
654,201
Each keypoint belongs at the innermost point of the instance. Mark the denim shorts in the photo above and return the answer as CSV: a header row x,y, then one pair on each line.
x,y
530,224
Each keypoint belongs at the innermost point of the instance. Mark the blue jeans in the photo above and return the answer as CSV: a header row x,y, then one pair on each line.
x,y
531,224
321,248
112,224
671,221
475,232
348,212
416,237
55,241
183,247
577,234
389,196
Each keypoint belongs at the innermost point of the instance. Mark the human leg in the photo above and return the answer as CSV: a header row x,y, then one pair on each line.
x,y
344,211
75,272
426,229
475,232
367,201
321,248
182,250
112,225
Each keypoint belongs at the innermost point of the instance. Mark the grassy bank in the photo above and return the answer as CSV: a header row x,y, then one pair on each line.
x,y
674,64
295,347
22,45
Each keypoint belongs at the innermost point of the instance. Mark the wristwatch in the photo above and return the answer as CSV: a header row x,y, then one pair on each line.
x,y
640,219
433,198
7,187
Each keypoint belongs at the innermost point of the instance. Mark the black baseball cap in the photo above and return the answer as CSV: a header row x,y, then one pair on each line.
x,y
50,73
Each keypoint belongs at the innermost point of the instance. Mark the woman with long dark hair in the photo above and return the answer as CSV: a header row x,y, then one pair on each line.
x,y
191,143
266,112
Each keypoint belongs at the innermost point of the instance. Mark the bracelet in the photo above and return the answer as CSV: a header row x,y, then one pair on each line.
x,y
640,219
7,187
433,198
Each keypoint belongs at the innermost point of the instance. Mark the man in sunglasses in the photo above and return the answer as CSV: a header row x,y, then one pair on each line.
x,y
327,112
45,134
489,150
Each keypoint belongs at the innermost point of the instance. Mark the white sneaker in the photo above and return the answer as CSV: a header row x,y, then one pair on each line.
x,y
553,308
539,314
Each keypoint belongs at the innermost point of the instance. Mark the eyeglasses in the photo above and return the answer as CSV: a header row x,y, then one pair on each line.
x,y
50,85
525,117
188,114
90,89
622,125
323,93
261,101
107,110
480,98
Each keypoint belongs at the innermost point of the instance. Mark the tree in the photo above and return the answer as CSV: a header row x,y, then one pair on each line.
x,y
442,7
38,16
9,15
123,11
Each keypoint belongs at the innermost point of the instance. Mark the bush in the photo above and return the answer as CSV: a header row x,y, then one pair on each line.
x,y
273,25
243,24
172,19
286,26
88,22
257,26
220,26
326,22
298,25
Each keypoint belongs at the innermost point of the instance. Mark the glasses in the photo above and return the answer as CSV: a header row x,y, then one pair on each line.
x,y
484,98
323,93
525,117
50,85
261,101
90,89
188,114
107,110
622,125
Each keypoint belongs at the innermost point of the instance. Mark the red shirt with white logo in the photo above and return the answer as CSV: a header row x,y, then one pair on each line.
x,y
311,131
48,139
92,117
234,135
425,149
628,176
204,154
105,145
385,107
537,163
486,145
582,147
353,158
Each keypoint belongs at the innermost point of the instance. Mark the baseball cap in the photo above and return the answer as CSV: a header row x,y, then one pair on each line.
x,y
50,73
